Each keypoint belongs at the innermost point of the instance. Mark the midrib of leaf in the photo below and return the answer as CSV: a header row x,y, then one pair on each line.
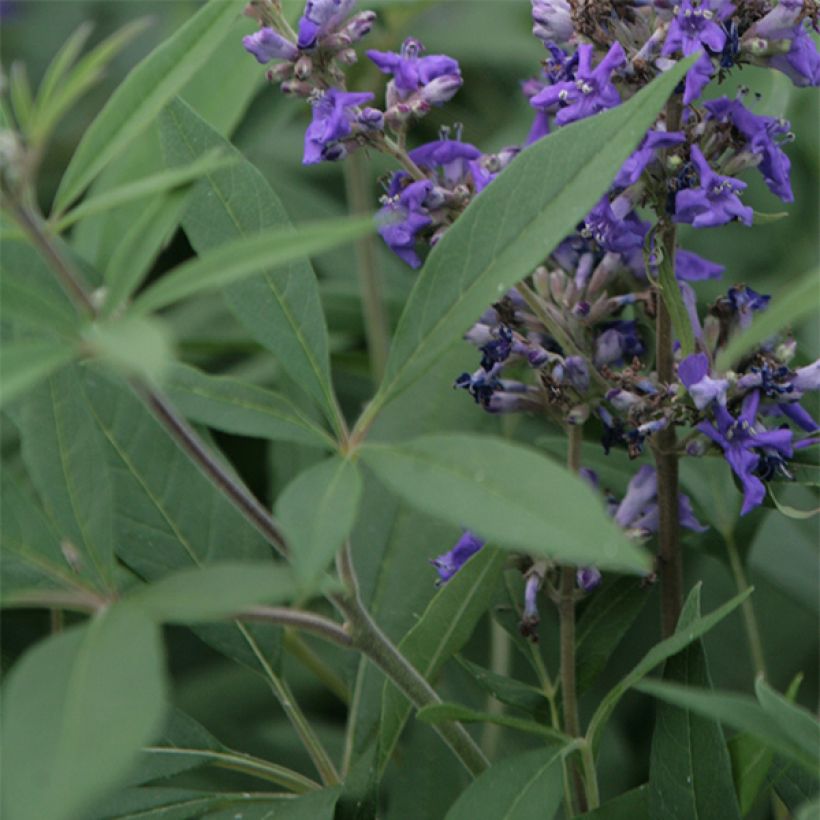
x,y
91,550
294,326
297,419
34,557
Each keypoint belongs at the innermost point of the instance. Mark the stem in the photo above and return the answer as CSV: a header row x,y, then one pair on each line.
x,y
299,619
369,639
566,612
500,663
70,279
370,281
749,619
384,144
590,776
670,564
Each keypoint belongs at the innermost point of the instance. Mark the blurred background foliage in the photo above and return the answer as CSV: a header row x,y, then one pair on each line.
x,y
492,41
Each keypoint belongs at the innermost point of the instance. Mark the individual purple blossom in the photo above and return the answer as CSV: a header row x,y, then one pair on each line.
x,y
715,202
697,78
638,511
689,267
333,115
267,44
530,617
618,342
632,169
453,157
321,17
412,72
588,578
744,444
403,218
449,563
695,25
760,134
481,384
615,226
590,92
693,371
744,303
552,21
807,378
801,63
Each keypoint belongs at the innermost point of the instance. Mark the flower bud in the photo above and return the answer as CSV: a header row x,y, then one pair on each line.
x,y
578,415
360,25
296,88
347,56
279,72
371,119
303,67
441,89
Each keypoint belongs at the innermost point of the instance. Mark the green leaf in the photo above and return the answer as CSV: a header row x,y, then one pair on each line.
x,y
789,511
689,772
526,786
443,629
604,621
793,784
657,655
241,408
761,218
65,457
793,305
158,183
61,64
143,93
20,95
230,263
797,723
632,805
317,511
319,805
76,710
508,690
509,230
280,308
168,516
738,711
136,345
751,762
439,712
61,87
673,299
507,493
26,363
214,592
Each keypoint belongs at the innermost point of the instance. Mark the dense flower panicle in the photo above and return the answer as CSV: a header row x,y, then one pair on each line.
x,y
450,562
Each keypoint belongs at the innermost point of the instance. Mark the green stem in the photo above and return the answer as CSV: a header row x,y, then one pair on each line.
x,y
566,612
500,663
590,776
670,564
370,281
749,619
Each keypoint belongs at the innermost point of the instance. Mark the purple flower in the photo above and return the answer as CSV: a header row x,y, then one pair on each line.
x,y
693,371
404,218
552,21
267,44
332,117
448,564
638,511
615,226
697,78
715,202
321,17
618,342
744,303
696,25
452,156
632,169
760,133
590,92
689,267
807,378
412,72
801,64
588,578
740,440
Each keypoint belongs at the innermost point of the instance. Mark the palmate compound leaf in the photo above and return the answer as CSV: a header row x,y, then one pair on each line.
x,y
511,227
77,708
509,494
281,308
690,773
143,93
